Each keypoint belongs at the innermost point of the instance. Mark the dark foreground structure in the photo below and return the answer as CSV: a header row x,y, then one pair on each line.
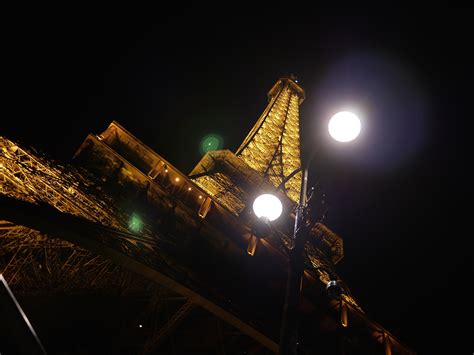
x,y
17,336
146,259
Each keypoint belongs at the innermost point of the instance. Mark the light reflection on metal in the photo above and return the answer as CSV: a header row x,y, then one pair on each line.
x,y
252,245
344,320
205,207
387,344
156,170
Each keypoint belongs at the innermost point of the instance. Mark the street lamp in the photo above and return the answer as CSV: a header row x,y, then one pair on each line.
x,y
267,206
344,126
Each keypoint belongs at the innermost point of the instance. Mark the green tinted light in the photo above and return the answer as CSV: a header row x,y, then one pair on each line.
x,y
211,142
135,223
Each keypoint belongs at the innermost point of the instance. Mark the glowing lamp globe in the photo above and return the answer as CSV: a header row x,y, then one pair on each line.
x,y
267,206
344,126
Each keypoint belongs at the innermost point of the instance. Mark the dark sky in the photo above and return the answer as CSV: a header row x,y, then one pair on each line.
x,y
397,196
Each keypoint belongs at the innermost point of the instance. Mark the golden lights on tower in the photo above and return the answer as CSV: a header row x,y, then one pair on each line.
x,y
273,145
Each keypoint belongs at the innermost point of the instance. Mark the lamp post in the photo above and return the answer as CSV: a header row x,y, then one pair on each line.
x,y
343,127
289,325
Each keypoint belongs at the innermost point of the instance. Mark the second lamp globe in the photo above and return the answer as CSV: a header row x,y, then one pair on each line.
x,y
344,126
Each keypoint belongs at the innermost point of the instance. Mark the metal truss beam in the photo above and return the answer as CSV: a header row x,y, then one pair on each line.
x,y
169,327
90,235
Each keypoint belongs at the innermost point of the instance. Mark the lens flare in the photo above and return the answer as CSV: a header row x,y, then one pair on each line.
x,y
135,223
211,142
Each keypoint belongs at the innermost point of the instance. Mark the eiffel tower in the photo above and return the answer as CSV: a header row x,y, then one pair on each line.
x,y
122,222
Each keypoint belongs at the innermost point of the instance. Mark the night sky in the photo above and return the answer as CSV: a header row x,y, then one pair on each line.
x,y
397,195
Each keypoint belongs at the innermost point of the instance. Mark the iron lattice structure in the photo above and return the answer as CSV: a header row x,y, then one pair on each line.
x,y
31,261
266,158
123,220
273,145
35,261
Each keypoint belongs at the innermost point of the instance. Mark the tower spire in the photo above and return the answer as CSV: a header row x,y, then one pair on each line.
x,y
273,145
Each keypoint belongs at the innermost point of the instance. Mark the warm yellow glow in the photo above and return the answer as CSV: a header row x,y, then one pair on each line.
x,y
205,207
252,245
344,126
166,170
200,196
387,345
189,189
344,321
267,206
277,130
177,179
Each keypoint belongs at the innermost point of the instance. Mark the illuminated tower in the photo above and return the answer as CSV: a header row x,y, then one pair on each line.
x,y
273,145
268,155
122,221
